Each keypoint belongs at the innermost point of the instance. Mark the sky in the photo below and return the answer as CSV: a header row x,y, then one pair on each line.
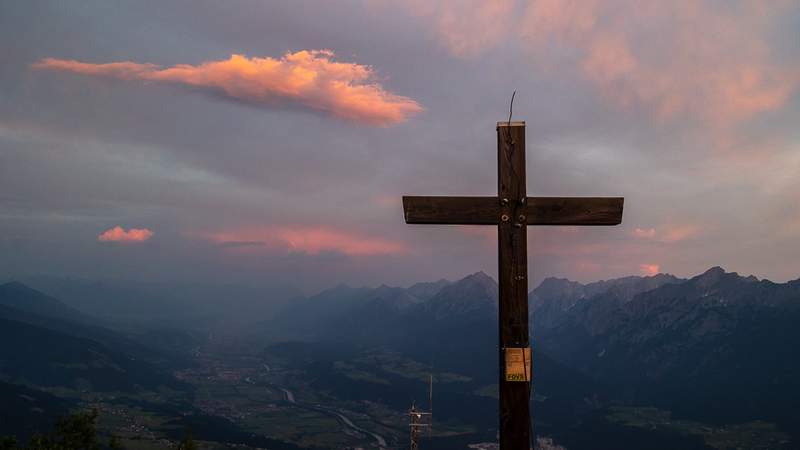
x,y
252,141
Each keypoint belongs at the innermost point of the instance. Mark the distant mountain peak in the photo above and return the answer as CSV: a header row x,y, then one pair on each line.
x,y
426,290
480,276
481,279
716,270
711,276
663,276
471,293
555,283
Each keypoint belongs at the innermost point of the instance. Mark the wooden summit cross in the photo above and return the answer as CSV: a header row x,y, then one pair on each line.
x,y
511,211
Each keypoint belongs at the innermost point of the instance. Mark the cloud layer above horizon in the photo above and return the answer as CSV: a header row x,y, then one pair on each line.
x,y
273,143
682,58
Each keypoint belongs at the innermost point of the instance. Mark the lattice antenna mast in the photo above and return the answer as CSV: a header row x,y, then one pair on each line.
x,y
420,419
430,405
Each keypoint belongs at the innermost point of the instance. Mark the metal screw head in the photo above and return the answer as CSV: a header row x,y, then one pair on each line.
x,y
517,225
521,218
522,201
504,202
504,217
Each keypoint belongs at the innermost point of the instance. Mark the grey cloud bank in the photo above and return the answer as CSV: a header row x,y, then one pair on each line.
x,y
80,155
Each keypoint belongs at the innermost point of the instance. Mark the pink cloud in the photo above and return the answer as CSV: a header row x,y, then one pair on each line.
x,y
310,240
647,233
119,234
668,233
673,58
587,268
649,269
708,61
311,78
680,233
467,27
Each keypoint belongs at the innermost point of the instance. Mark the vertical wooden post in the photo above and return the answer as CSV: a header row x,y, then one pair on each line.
x,y
515,421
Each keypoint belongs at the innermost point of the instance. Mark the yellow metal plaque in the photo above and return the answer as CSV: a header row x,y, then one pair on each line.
x,y
518,363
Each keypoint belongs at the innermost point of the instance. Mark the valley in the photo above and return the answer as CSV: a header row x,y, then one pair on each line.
x,y
340,369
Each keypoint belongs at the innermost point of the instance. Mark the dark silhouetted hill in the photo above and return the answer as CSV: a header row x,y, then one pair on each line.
x,y
19,296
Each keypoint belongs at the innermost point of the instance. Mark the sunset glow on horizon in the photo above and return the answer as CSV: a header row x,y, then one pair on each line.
x,y
265,143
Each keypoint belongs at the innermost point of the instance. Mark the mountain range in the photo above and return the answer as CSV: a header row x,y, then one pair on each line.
x,y
685,345
653,362
44,342
717,348
55,359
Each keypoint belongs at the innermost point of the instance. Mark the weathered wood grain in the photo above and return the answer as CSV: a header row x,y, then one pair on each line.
x,y
585,211
452,210
515,416
575,210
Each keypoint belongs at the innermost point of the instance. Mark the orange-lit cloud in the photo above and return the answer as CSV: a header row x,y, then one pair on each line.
x,y
649,269
311,78
119,234
310,240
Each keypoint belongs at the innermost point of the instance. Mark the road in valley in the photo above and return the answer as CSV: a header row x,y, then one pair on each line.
x,y
289,396
339,416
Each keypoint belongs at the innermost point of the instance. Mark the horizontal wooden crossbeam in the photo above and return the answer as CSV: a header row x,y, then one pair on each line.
x,y
452,210
575,210
489,210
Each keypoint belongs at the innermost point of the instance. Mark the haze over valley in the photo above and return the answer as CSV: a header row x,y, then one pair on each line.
x,y
635,359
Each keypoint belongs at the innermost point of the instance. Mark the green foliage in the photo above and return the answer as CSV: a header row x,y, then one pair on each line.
x,y
74,432
115,444
78,431
8,443
187,443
